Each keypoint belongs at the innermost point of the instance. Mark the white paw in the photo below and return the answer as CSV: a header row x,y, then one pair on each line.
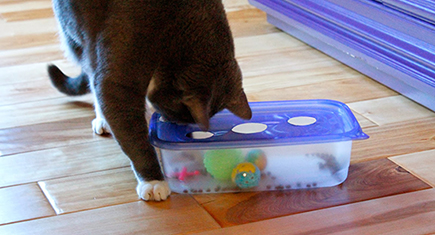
x,y
153,190
100,126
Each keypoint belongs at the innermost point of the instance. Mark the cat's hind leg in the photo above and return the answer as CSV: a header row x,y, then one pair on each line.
x,y
99,124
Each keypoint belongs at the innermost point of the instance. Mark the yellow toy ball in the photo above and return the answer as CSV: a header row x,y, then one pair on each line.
x,y
246,175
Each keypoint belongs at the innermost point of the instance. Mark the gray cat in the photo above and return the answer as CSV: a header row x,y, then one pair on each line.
x,y
184,46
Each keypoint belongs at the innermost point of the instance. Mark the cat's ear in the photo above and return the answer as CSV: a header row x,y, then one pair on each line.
x,y
240,106
199,112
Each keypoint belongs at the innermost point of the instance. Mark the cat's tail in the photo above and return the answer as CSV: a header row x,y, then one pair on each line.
x,y
67,85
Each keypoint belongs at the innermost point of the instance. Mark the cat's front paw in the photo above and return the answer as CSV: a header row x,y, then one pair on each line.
x,y
100,126
153,190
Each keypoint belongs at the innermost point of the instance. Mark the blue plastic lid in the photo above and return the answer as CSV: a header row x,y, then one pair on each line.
x,y
273,124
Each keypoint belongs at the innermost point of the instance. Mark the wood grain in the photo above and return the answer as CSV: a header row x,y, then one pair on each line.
x,y
235,5
367,180
285,61
395,139
95,190
28,14
33,72
32,27
26,92
23,5
46,140
179,214
45,53
267,44
60,109
23,202
46,135
53,163
391,109
363,122
291,80
28,41
421,164
249,22
344,90
411,213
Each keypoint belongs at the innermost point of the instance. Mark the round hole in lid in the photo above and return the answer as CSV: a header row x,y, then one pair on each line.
x,y
302,121
249,128
199,135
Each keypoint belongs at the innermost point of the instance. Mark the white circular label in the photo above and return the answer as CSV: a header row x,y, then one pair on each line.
x,y
200,135
249,128
302,121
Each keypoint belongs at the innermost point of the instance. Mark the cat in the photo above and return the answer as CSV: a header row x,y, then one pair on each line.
x,y
184,47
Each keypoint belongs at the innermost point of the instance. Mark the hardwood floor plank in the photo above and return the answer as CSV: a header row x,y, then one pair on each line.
x,y
33,72
180,214
289,61
28,92
395,139
421,164
391,109
61,162
20,84
299,74
46,53
44,111
22,202
344,90
28,14
23,5
411,213
266,44
47,135
366,180
363,122
92,190
28,41
32,27
249,22
236,5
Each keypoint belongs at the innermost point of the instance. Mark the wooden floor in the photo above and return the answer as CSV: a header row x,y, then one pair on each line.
x,y
57,177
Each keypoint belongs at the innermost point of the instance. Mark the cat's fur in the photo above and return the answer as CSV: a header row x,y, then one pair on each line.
x,y
185,46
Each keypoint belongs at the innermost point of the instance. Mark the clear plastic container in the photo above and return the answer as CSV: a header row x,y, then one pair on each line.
x,y
286,145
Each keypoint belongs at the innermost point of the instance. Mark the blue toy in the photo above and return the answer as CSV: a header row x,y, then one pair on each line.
x,y
246,175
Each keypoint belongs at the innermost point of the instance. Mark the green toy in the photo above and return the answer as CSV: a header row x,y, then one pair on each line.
x,y
221,162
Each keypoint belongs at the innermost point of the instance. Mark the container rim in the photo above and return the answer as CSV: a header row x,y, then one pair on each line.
x,y
354,131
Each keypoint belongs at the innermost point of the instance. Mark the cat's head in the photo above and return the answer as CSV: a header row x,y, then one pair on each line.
x,y
198,92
